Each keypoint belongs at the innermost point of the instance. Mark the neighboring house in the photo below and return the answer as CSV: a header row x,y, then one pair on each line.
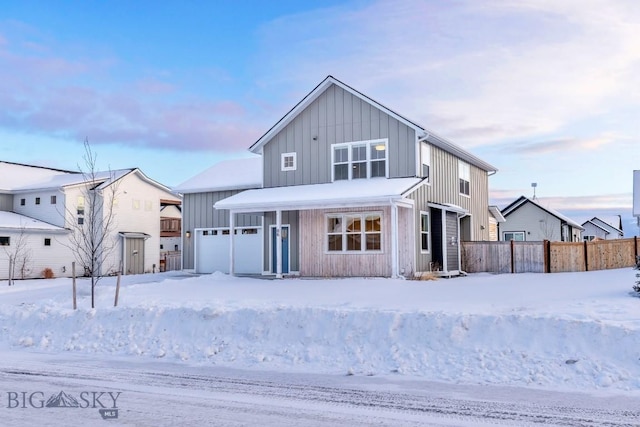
x,y
170,228
528,220
495,218
57,199
346,187
598,229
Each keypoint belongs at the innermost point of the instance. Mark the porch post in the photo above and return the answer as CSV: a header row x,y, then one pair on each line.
x,y
394,240
278,253
231,235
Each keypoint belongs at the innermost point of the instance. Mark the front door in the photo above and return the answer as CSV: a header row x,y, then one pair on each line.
x,y
134,253
285,250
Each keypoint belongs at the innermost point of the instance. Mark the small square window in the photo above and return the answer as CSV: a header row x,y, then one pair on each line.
x,y
47,241
5,241
23,202
288,162
37,200
80,220
54,200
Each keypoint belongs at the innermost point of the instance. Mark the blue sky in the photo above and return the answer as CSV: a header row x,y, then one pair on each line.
x,y
548,91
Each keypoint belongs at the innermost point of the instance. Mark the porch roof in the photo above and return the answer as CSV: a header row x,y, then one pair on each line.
x,y
359,192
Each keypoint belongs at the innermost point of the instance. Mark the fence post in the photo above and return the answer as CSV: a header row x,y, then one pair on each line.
x,y
547,255
513,269
586,257
635,246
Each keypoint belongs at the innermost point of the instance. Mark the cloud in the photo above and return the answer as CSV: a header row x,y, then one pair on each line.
x,y
478,71
44,93
557,145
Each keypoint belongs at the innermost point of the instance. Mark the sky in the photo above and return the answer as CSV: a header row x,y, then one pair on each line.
x,y
547,91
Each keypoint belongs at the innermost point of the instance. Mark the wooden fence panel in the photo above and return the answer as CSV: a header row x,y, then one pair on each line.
x,y
606,254
492,257
528,257
567,256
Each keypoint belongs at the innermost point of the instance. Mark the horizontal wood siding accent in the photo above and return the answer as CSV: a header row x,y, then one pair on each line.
x,y
406,242
314,262
336,116
198,212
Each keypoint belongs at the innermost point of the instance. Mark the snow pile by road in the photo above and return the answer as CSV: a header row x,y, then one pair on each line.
x,y
568,331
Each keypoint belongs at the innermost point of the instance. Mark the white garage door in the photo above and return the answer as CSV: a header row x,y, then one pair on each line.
x,y
212,250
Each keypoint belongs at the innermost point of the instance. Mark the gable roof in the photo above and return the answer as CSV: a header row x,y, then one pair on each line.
x,y
523,200
14,175
235,174
604,225
423,133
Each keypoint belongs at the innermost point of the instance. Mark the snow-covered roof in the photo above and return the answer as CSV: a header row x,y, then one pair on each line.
x,y
495,212
360,192
10,221
67,180
235,174
15,175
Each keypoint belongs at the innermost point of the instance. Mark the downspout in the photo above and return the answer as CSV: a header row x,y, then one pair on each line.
x,y
394,239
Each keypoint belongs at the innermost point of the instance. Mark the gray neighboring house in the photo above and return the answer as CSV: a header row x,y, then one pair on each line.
x,y
598,229
528,220
347,187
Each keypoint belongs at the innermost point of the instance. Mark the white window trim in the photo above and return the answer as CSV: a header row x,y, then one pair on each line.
x,y
284,168
363,249
464,167
368,160
428,233
524,237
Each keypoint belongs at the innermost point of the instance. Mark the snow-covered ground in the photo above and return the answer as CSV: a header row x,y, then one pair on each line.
x,y
571,331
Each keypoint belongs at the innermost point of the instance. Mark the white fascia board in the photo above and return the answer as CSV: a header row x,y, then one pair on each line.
x,y
306,205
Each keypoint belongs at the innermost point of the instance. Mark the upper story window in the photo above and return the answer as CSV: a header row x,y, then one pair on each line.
x,y
54,200
358,160
23,202
80,205
464,177
288,162
5,240
425,159
37,200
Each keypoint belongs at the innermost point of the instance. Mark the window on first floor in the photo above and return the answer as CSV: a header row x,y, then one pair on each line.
x,y
518,236
23,202
358,232
5,240
424,231
37,200
47,241
54,200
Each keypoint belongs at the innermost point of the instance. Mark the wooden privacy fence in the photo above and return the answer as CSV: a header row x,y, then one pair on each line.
x,y
171,261
548,257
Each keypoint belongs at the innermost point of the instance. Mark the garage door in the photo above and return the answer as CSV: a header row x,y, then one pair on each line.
x,y
212,250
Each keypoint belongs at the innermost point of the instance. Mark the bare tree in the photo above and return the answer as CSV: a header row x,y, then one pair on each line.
x,y
19,254
93,220
547,228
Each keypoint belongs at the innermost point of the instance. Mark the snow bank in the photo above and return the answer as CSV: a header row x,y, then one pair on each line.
x,y
577,331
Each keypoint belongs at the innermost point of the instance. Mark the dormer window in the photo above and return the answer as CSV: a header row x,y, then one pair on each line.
x,y
359,160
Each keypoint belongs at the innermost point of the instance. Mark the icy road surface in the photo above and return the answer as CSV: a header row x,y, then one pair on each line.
x,y
120,392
